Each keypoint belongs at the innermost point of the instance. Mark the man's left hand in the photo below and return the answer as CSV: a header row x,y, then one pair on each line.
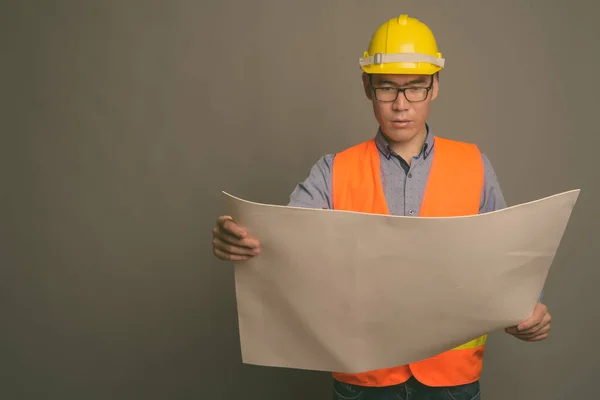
x,y
534,328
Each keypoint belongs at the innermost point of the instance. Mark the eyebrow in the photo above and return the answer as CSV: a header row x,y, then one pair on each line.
x,y
420,80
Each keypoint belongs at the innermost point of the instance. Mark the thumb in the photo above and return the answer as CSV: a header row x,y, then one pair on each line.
x,y
227,224
531,321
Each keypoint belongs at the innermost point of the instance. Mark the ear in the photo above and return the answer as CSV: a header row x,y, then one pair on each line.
x,y
367,86
436,86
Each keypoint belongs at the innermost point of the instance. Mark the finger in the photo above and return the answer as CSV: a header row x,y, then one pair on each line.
x,y
545,321
512,330
530,322
538,313
226,223
229,257
535,338
539,337
233,249
248,242
530,336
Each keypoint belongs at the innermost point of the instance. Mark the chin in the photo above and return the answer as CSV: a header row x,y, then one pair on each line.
x,y
401,134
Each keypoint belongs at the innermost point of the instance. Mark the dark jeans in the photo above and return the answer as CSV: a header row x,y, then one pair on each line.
x,y
409,390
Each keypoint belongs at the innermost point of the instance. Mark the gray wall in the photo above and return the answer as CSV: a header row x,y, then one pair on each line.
x,y
123,120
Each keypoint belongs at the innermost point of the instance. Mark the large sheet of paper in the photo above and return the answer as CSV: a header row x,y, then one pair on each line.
x,y
351,292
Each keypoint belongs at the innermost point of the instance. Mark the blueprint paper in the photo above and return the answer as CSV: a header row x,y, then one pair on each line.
x,y
352,292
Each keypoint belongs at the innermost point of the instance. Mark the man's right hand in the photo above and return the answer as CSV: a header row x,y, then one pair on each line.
x,y
231,242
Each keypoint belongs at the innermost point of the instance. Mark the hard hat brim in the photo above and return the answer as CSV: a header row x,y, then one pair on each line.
x,y
402,69
402,63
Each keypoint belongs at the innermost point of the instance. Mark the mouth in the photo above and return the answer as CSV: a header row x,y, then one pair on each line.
x,y
400,123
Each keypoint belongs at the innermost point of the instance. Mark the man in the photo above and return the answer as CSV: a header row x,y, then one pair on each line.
x,y
403,170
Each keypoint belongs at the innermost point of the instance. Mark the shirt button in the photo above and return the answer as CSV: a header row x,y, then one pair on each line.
x,y
409,175
411,212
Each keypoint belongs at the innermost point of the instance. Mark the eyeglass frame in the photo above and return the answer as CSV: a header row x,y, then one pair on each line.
x,y
398,90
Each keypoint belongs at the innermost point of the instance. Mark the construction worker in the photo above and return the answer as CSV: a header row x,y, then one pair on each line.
x,y
405,169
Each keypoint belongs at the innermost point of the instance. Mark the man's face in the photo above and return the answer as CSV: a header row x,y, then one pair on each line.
x,y
401,120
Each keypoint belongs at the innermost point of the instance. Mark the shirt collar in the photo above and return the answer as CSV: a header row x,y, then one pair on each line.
x,y
385,149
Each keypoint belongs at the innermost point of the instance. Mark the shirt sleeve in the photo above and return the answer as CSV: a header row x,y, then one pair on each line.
x,y
315,190
492,198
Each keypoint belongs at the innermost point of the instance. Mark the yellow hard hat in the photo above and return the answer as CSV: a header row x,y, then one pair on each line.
x,y
402,45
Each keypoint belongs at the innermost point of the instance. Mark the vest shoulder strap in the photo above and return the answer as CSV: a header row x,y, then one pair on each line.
x,y
356,180
455,180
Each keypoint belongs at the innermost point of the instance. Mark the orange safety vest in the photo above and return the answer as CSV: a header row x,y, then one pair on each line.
x,y
453,189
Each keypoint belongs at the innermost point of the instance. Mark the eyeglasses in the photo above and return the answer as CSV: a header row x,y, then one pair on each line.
x,y
390,94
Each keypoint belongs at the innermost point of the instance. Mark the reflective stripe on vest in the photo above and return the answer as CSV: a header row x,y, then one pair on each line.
x,y
453,189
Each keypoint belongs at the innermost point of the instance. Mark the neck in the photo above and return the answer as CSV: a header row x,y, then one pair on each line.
x,y
410,148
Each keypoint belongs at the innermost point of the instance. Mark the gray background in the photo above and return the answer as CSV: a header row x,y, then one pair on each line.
x,y
123,120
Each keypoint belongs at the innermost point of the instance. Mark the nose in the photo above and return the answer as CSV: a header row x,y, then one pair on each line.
x,y
401,104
